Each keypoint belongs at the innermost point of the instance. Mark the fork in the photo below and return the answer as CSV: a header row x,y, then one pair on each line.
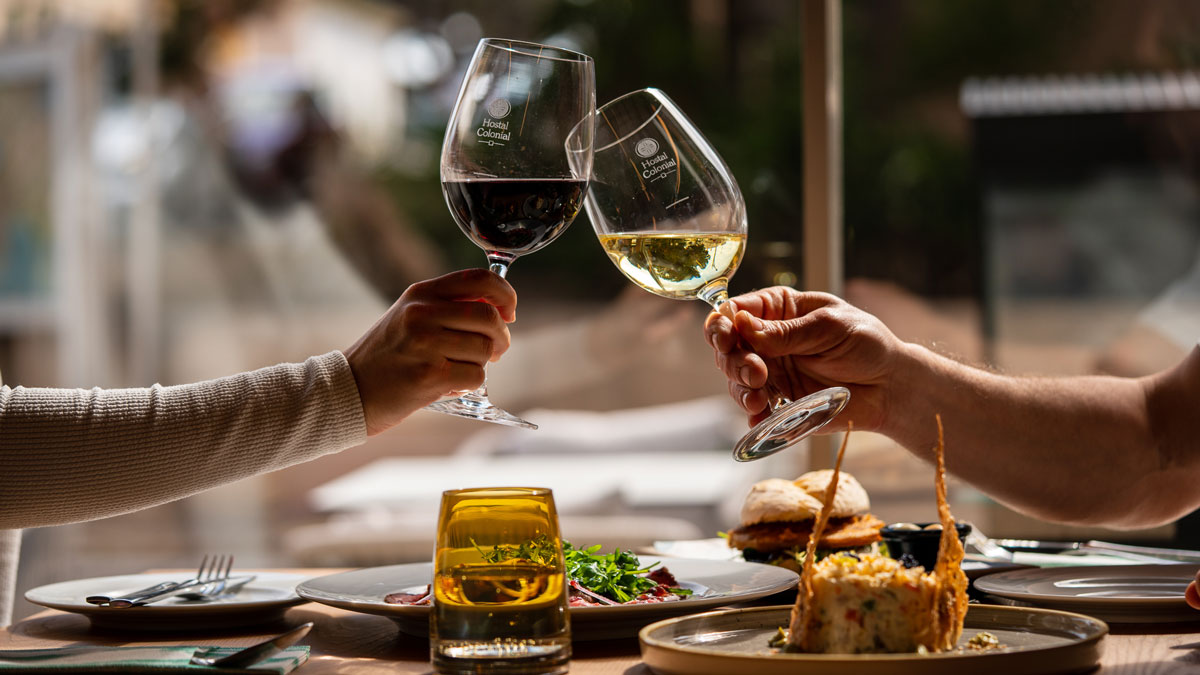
x,y
155,589
987,546
217,589
212,569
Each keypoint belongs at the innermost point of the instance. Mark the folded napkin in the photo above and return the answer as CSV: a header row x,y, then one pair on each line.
x,y
148,659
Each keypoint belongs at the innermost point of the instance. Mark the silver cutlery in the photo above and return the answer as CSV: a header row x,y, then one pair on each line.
x,y
212,569
149,590
243,658
1178,554
219,589
987,546
1129,552
252,655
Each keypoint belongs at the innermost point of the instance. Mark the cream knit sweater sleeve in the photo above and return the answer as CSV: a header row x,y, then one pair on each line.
x,y
69,455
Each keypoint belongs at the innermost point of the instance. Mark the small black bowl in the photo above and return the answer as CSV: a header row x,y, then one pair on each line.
x,y
921,544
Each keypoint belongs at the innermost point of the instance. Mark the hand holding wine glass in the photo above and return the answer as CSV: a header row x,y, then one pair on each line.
x,y
671,217
505,170
438,336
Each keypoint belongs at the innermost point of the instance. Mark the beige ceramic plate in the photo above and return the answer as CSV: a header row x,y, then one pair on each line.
x,y
1117,593
714,583
263,600
1037,642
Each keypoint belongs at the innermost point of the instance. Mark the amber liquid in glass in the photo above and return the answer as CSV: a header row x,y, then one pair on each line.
x,y
499,616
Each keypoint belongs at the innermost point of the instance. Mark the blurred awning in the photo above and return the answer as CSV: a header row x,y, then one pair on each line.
x,y
1079,94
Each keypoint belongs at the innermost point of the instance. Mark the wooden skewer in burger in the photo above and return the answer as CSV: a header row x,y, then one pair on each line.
x,y
851,603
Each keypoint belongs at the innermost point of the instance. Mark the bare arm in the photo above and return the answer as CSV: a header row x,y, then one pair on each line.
x,y
1090,450
1095,450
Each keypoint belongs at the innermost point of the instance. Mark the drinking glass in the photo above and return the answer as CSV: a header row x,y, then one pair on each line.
x,y
499,584
505,172
670,216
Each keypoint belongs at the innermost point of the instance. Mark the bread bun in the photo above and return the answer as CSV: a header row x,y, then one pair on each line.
x,y
777,500
851,499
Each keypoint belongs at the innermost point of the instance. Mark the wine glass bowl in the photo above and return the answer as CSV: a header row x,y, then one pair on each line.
x,y
666,209
515,162
670,216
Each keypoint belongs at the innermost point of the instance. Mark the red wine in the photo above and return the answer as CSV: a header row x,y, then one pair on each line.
x,y
516,216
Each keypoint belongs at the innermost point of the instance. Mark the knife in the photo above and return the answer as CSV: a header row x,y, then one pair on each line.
x,y
1133,553
252,655
241,658
150,590
178,589
1176,554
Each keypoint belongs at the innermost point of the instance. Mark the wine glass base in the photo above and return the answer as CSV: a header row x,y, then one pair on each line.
x,y
791,423
483,411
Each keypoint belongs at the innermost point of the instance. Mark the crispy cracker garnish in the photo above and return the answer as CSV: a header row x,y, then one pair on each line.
x,y
946,603
798,630
950,601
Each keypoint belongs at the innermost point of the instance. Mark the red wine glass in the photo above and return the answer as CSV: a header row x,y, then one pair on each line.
x,y
512,180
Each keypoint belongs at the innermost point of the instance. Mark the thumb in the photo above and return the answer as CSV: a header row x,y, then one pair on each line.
x,y
800,336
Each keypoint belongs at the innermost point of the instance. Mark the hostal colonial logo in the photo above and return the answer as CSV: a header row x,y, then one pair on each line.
x,y
499,108
492,130
653,166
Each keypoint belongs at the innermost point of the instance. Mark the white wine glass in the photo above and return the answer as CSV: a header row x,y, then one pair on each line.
x,y
505,170
670,216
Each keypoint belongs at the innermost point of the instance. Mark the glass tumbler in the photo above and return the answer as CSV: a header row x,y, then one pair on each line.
x,y
499,584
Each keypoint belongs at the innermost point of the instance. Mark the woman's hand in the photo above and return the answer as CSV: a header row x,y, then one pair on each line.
x,y
435,340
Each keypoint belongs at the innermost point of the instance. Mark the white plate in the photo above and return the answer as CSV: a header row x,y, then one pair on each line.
x,y
715,583
263,600
1035,641
1118,593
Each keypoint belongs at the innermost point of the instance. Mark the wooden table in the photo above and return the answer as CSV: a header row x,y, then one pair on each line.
x,y
350,642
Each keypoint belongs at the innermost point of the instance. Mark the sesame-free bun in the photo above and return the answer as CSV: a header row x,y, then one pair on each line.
x,y
777,500
851,499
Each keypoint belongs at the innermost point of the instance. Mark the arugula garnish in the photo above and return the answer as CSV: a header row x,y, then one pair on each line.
x,y
618,575
541,551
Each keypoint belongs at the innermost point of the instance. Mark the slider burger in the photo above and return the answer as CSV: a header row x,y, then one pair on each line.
x,y
778,517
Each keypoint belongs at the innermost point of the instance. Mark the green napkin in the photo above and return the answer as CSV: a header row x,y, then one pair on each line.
x,y
151,659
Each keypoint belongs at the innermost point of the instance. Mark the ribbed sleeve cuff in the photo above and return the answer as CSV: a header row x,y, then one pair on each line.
x,y
347,423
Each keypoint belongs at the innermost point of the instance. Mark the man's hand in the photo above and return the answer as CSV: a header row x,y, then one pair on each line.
x,y
804,342
435,340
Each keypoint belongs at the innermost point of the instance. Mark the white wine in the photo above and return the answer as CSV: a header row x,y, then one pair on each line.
x,y
517,605
678,265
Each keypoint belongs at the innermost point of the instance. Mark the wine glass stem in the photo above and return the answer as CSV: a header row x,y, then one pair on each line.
x,y
497,262
718,297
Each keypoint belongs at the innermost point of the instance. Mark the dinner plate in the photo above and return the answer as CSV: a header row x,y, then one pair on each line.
x,y
1034,642
715,583
1117,593
262,600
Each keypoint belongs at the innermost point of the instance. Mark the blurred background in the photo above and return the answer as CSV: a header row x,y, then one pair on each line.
x,y
191,188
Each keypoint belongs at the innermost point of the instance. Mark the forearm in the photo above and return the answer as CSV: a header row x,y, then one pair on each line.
x,y
73,455
1082,449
